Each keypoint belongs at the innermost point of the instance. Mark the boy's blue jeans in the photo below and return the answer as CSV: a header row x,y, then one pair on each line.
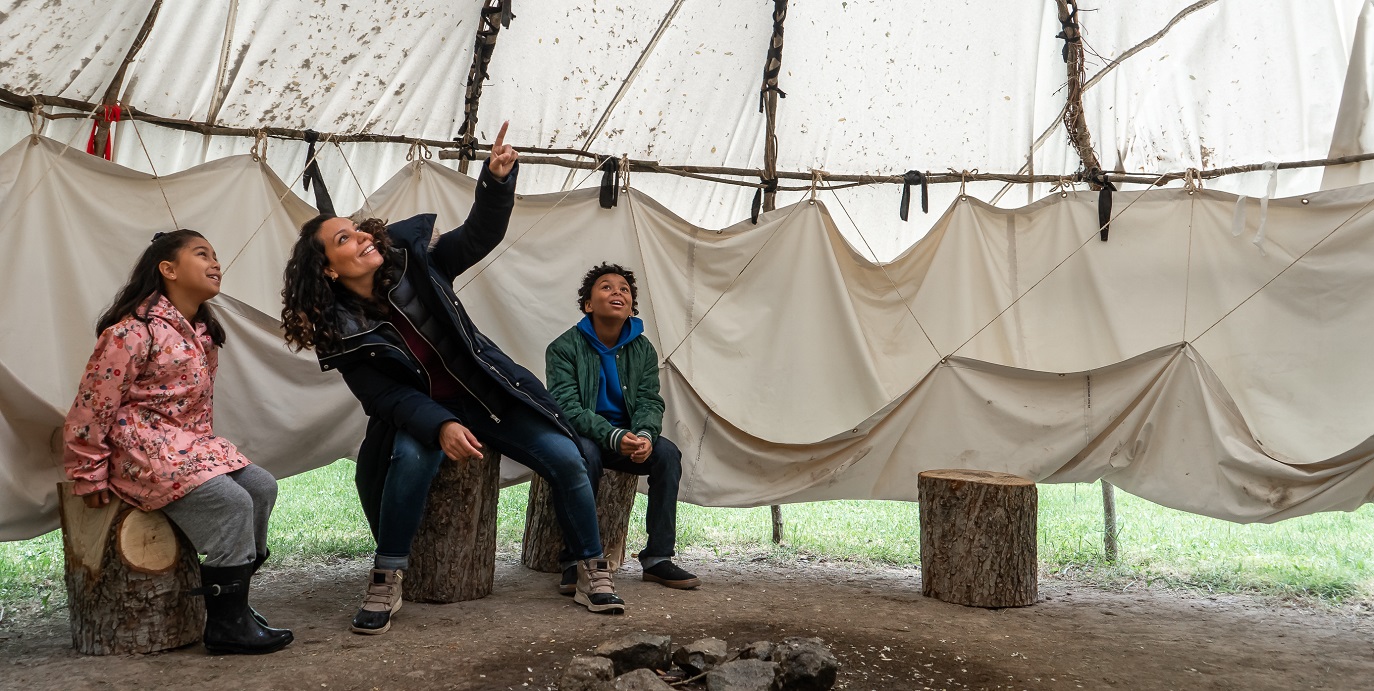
x,y
664,468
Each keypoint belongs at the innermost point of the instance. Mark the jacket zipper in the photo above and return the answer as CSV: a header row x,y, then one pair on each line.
x,y
509,386
490,414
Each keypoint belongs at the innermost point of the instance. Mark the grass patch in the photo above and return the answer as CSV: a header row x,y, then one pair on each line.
x,y
1329,556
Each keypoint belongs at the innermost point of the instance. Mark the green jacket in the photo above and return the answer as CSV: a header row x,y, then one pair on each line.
x,y
573,372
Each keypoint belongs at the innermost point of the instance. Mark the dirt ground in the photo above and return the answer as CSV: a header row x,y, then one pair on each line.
x,y
884,633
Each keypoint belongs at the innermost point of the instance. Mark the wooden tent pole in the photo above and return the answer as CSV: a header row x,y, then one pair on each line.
x,y
495,14
1110,548
1075,118
111,97
1076,124
768,103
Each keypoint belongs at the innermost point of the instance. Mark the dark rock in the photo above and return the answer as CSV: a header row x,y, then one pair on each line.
x,y
640,680
758,650
700,656
636,651
587,674
745,675
806,663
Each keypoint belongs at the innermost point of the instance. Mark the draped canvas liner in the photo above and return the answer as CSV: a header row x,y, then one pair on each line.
x,y
1192,367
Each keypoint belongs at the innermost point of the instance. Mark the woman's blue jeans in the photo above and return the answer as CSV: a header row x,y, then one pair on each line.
x,y
524,436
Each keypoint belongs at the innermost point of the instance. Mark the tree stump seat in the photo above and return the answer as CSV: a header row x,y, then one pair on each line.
x,y
978,538
453,556
128,575
615,499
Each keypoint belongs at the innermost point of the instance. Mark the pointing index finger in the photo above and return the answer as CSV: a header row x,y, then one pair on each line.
x,y
501,136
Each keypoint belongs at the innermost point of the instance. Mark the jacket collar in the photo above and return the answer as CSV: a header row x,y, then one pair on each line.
x,y
352,324
164,310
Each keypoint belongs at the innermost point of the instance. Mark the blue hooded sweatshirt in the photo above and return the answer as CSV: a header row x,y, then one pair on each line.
x,y
610,401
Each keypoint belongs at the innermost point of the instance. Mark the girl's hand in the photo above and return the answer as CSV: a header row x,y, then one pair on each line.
x,y
503,155
98,499
458,442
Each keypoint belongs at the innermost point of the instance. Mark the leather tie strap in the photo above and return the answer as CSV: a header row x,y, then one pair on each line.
x,y
909,178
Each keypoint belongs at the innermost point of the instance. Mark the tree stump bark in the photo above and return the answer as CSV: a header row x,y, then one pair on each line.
x,y
978,538
453,556
127,574
615,499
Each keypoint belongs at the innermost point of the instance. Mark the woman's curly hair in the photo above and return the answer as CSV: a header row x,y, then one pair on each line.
x,y
311,302
584,294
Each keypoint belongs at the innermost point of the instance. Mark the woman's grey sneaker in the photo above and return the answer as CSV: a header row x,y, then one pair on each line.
x,y
568,586
596,588
670,574
383,599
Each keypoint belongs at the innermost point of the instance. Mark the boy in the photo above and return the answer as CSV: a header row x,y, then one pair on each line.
x,y
604,374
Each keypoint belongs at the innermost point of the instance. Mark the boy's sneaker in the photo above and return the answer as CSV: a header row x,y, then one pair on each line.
x,y
568,586
670,574
596,588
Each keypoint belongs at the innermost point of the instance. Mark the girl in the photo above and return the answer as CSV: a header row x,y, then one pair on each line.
x,y
140,429
377,304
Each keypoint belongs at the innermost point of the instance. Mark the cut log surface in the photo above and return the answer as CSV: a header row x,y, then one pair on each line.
x,y
978,538
147,542
128,574
615,499
453,556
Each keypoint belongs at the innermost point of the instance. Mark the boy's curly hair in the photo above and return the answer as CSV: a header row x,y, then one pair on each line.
x,y
584,294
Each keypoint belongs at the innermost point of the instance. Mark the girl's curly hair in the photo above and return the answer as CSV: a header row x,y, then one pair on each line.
x,y
311,302
584,294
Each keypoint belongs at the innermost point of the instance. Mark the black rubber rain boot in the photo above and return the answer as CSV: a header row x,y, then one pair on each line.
x,y
257,564
230,628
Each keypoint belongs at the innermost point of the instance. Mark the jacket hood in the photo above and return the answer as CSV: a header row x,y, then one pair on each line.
x,y
634,326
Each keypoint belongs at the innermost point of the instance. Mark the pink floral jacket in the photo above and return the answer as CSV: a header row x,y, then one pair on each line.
x,y
140,424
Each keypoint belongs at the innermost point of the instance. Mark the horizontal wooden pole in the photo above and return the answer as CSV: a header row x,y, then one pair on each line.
x,y
589,161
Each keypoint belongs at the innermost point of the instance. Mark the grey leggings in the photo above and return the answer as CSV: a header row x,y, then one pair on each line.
x,y
226,517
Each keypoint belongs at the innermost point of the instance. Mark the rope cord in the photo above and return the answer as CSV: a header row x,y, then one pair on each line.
x,y
883,267
156,177
225,271
53,164
1046,276
1291,264
730,285
537,221
367,205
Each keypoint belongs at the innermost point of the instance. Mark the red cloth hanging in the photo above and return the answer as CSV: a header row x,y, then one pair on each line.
x,y
109,114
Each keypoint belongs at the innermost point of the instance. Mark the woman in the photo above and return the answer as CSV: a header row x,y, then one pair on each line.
x,y
139,429
377,304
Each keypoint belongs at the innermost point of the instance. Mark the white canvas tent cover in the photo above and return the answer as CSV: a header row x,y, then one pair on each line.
x,y
1220,373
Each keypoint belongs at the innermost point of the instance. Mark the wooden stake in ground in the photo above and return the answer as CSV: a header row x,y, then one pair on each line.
x,y
1110,548
978,539
615,498
127,574
453,556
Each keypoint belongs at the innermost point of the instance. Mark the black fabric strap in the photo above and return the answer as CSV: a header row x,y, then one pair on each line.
x,y
772,64
216,589
610,182
909,178
770,186
312,175
1104,201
